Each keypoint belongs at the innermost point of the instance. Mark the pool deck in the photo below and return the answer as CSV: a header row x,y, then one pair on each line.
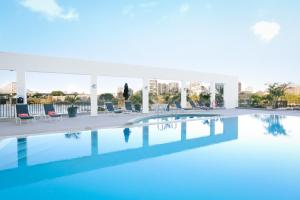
x,y
9,128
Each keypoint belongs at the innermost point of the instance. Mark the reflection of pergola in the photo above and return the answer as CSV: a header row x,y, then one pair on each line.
x,y
31,63
28,174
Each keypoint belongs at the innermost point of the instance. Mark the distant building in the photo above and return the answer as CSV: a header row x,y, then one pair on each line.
x,y
173,87
249,89
240,87
153,86
9,88
58,98
293,89
162,88
196,87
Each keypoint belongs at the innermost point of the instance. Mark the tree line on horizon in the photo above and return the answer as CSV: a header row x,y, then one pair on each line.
x,y
275,97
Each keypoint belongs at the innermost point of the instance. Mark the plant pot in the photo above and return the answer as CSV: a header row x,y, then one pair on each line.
x,y
72,111
137,107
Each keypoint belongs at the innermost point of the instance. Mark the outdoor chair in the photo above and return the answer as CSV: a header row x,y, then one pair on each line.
x,y
203,106
50,111
110,108
22,113
128,107
179,107
194,106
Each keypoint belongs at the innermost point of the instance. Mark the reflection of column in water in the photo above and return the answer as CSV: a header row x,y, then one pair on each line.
x,y
94,142
145,136
212,126
183,131
22,152
231,126
126,132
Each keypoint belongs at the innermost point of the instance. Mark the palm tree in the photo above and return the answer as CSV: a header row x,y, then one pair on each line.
x,y
276,91
72,99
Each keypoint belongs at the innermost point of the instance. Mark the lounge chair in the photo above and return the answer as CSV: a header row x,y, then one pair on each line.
x,y
203,106
194,106
50,111
179,107
23,113
110,108
128,107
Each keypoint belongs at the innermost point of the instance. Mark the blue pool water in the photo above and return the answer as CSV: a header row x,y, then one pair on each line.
x,y
170,118
245,157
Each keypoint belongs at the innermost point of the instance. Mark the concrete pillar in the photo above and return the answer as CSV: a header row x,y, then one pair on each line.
x,y
183,94
93,95
231,94
21,85
145,96
212,91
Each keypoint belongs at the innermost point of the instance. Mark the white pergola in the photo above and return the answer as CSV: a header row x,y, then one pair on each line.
x,y
22,63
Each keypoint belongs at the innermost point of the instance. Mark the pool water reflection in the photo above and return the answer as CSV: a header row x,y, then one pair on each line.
x,y
196,157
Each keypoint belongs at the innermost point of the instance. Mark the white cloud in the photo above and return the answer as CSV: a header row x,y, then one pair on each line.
x,y
50,8
184,8
265,30
149,4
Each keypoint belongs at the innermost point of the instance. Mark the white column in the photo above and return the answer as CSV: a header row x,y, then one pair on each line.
x,y
21,85
93,95
212,89
183,94
231,94
145,95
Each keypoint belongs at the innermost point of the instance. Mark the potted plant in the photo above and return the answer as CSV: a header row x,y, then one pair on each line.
x,y
205,99
72,110
137,107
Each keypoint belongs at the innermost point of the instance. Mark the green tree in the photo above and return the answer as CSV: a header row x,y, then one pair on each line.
x,y
152,98
204,99
276,91
136,98
256,101
107,97
37,95
219,96
72,99
176,97
57,93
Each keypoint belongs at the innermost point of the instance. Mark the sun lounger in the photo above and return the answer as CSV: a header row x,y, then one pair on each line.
x,y
110,108
194,106
22,113
129,108
179,107
50,111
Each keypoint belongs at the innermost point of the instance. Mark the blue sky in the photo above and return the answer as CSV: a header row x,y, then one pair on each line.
x,y
257,41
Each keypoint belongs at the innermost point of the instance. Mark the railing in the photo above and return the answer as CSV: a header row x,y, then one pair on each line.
x,y
9,110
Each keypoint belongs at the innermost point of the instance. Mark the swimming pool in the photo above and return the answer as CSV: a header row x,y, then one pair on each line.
x,y
245,157
169,118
